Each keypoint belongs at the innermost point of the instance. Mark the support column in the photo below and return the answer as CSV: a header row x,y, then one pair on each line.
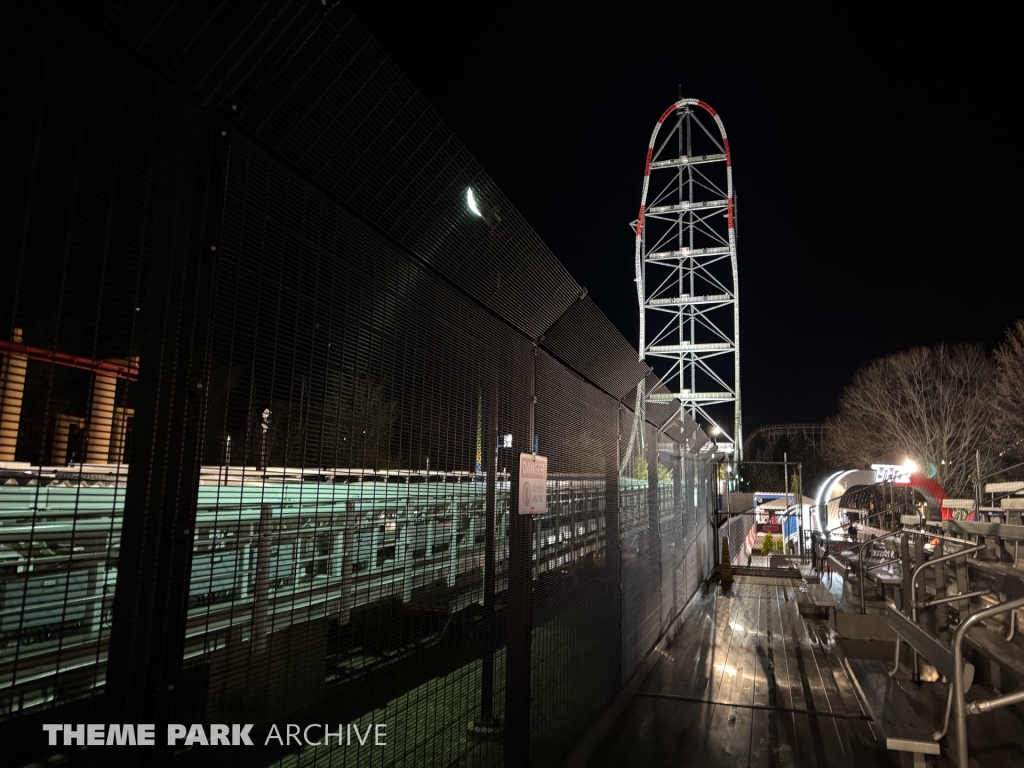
x,y
101,418
12,391
62,438
119,435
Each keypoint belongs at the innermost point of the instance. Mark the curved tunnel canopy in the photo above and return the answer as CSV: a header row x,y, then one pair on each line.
x,y
829,496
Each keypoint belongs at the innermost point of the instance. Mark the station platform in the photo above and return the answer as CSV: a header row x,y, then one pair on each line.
x,y
749,681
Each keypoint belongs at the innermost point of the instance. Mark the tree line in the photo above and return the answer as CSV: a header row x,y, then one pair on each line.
x,y
951,409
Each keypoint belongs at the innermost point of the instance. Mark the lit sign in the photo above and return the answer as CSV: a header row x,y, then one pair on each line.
x,y
899,474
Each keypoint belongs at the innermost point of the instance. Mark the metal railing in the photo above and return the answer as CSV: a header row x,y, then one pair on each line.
x,y
963,709
913,592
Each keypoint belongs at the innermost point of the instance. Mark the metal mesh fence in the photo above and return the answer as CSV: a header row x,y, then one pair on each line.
x,y
764,512
268,376
79,194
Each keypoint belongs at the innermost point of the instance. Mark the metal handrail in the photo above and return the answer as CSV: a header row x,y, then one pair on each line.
x,y
933,535
862,544
930,563
884,563
862,570
886,511
913,601
913,584
977,707
954,598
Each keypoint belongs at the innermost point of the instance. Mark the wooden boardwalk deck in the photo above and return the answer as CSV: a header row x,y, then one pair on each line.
x,y
747,683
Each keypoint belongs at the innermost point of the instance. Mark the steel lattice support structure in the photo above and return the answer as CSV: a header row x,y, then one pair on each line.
x,y
686,274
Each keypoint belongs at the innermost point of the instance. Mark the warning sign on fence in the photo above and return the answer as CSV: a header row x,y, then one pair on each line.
x,y
533,484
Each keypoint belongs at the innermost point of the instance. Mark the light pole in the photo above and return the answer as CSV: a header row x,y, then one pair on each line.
x,y
264,427
227,458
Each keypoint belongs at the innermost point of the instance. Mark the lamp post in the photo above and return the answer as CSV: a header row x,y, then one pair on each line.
x,y
227,458
264,428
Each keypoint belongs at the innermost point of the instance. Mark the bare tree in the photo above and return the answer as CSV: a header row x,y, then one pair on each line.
x,y
1009,392
930,405
352,426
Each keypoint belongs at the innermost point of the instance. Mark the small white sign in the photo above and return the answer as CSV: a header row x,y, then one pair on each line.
x,y
533,484
898,474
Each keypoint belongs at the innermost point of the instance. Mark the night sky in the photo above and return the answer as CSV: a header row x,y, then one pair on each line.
x,y
877,165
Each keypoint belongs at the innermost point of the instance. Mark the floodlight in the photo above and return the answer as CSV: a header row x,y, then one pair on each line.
x,y
471,202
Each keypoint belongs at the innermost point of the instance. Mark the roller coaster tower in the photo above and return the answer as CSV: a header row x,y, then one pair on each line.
x,y
686,275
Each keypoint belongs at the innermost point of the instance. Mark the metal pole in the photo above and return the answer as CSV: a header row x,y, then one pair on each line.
x,y
800,490
980,707
487,654
861,572
261,594
227,459
954,598
913,586
928,564
519,611
785,475
977,482
960,706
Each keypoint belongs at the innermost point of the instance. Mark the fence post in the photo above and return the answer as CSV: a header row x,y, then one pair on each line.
x,y
486,719
519,608
151,599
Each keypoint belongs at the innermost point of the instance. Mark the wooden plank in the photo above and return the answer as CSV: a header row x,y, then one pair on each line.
x,y
762,720
695,666
729,734
849,702
774,729
809,747
787,722
818,697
